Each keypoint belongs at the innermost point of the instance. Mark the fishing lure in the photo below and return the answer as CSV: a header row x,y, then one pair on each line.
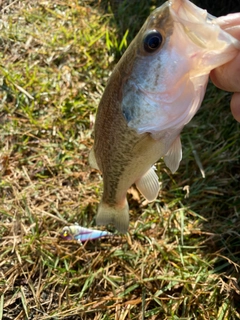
x,y
82,234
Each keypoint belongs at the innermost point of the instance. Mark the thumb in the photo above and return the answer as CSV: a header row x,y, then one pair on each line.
x,y
235,106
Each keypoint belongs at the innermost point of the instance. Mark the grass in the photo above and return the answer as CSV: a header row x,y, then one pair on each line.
x,y
180,259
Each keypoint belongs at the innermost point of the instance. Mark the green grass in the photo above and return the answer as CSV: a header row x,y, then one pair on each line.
x,y
180,259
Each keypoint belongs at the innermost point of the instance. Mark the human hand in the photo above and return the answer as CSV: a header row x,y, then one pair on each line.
x,y
227,77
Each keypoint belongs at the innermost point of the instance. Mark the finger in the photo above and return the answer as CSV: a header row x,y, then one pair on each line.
x,y
235,106
227,77
230,23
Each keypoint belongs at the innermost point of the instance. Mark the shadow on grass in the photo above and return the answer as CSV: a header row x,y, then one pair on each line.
x,y
213,136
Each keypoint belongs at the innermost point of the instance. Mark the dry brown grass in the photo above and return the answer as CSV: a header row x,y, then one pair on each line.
x,y
180,259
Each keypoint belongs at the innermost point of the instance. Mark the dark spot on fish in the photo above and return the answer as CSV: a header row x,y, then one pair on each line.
x,y
152,41
127,115
156,79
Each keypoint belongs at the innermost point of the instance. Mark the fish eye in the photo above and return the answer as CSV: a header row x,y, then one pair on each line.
x,y
65,234
152,41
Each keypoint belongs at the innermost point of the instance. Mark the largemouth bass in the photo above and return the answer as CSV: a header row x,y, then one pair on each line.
x,y
154,91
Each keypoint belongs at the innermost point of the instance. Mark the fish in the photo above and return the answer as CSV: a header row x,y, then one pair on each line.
x,y
153,92
81,234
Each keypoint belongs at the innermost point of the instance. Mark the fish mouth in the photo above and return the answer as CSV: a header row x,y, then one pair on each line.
x,y
188,11
192,19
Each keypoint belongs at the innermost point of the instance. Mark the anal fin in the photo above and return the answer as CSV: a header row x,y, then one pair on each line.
x,y
148,185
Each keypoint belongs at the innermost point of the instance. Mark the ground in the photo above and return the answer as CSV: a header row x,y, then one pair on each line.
x,y
180,259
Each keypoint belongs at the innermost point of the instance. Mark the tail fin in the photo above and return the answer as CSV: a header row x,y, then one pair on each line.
x,y
115,215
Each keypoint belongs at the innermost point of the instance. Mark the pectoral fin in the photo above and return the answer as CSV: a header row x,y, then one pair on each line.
x,y
174,155
92,160
148,185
